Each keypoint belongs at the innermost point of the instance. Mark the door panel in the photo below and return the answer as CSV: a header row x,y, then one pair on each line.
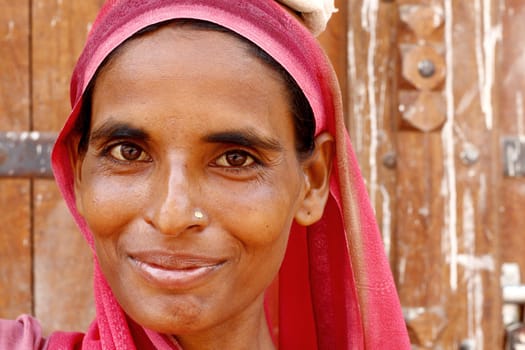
x,y
59,249
512,123
15,194
428,146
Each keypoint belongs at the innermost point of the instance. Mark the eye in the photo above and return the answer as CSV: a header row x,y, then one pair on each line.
x,y
236,158
128,152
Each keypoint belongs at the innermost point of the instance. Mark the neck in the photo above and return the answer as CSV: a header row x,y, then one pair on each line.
x,y
249,330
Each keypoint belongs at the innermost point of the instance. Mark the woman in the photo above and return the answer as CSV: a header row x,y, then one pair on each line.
x,y
207,164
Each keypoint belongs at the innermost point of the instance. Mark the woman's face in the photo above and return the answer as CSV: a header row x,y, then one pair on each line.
x,y
191,180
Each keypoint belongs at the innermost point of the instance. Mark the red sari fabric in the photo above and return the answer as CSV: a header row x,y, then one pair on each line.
x,y
335,289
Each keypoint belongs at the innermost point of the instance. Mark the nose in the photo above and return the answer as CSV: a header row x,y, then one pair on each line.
x,y
173,209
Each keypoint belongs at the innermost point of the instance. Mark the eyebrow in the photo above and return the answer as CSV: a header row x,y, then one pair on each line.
x,y
115,130
245,138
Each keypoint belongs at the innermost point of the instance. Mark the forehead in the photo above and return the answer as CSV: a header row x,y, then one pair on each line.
x,y
178,71
208,55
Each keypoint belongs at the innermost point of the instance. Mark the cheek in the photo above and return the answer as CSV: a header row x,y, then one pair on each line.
x,y
259,214
109,203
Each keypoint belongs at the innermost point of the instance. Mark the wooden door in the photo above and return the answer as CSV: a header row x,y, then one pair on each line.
x,y
434,87
45,265
432,90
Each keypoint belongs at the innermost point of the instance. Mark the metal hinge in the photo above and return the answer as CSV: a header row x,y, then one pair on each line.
x,y
26,154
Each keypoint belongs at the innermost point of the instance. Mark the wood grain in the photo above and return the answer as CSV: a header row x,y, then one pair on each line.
x,y
437,210
63,265
512,124
371,101
448,242
15,217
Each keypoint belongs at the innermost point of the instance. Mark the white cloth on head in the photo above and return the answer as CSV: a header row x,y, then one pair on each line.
x,y
315,13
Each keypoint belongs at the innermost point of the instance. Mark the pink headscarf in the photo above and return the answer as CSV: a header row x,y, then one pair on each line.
x,y
335,289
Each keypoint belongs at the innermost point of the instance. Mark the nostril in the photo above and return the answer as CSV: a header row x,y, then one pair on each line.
x,y
176,220
200,218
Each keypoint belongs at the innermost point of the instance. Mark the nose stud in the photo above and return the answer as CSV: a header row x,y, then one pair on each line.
x,y
198,214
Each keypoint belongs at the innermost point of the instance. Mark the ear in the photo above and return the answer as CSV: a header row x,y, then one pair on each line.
x,y
76,159
317,170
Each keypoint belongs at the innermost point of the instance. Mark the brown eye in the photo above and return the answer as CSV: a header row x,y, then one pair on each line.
x,y
235,159
128,152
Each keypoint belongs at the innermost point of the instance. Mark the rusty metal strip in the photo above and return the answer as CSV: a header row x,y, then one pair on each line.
x,y
513,156
26,154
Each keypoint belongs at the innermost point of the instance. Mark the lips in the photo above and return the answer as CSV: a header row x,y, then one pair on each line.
x,y
173,271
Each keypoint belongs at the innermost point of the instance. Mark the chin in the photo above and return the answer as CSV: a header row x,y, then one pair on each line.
x,y
169,314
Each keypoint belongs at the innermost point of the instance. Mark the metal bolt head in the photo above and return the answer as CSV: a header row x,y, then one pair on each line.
x,y
390,160
426,68
467,344
423,66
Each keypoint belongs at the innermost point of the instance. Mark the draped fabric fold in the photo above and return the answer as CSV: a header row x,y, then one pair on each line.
x,y
335,289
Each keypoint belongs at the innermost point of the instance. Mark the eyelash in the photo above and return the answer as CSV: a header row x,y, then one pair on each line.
x,y
254,163
108,149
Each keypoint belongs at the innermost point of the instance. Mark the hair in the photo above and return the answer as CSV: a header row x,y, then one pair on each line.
x,y
303,117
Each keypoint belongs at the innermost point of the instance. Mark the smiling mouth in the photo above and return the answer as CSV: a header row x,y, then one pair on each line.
x,y
174,272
